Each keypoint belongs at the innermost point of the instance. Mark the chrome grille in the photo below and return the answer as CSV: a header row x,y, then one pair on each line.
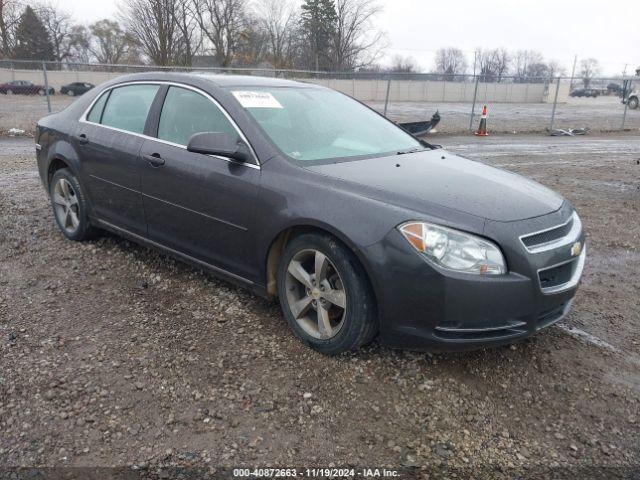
x,y
547,236
553,237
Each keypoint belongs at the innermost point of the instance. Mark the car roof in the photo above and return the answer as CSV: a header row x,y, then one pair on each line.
x,y
219,80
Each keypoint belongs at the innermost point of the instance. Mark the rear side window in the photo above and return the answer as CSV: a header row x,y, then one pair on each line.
x,y
186,112
96,112
127,107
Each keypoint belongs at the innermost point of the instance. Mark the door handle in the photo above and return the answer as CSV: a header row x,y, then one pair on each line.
x,y
155,160
82,139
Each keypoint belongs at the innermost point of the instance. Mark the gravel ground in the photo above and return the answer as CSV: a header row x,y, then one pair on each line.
x,y
600,114
115,355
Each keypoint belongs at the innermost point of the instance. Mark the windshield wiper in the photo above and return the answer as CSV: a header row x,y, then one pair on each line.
x,y
410,150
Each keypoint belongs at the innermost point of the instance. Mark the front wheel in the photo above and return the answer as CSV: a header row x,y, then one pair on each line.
x,y
633,103
325,295
71,93
70,207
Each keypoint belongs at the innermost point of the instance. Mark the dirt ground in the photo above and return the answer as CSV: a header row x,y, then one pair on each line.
x,y
115,355
600,114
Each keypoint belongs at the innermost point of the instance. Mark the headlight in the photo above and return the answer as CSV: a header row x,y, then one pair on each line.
x,y
453,249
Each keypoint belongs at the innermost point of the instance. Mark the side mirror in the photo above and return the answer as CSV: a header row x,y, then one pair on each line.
x,y
218,143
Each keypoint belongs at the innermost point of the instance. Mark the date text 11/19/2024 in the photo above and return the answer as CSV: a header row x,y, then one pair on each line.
x,y
315,473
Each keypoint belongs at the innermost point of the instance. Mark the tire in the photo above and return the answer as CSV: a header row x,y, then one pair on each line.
x,y
343,282
9,92
41,92
71,93
74,225
633,103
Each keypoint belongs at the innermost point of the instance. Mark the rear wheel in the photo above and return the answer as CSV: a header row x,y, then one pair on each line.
x,y
633,102
325,295
71,93
41,91
9,92
70,207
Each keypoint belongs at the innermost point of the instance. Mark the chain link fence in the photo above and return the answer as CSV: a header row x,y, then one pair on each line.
x,y
31,89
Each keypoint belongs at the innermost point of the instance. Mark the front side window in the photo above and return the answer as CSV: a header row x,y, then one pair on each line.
x,y
186,112
309,123
128,106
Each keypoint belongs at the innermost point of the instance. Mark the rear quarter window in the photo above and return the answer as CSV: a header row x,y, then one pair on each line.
x,y
96,111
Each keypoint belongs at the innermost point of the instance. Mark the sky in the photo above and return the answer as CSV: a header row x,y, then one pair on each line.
x,y
560,29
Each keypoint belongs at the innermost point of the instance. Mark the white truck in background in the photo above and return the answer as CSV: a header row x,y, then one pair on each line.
x,y
631,98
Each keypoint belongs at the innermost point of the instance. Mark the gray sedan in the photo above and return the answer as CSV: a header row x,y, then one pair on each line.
x,y
298,192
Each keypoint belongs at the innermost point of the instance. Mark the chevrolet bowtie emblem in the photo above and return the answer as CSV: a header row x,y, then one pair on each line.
x,y
576,249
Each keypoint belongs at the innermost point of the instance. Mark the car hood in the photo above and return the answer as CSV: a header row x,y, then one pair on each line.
x,y
436,177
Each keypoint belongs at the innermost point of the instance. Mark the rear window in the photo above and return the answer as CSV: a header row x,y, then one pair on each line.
x,y
127,107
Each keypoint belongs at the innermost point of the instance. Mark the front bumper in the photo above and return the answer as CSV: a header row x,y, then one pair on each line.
x,y
424,307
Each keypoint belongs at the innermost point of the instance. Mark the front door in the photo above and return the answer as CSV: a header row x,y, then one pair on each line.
x,y
198,204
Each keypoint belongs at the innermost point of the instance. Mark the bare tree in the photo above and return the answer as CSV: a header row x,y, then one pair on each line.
x,y
450,62
59,24
79,44
222,23
555,69
589,68
253,43
108,42
277,18
9,18
494,64
527,64
152,24
402,64
355,43
189,30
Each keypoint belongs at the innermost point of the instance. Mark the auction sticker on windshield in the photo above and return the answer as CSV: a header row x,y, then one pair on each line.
x,y
256,99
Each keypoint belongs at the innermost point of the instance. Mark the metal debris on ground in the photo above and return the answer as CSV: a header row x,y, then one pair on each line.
x,y
419,129
558,132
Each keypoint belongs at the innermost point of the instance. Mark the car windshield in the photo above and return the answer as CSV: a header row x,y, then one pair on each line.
x,y
309,123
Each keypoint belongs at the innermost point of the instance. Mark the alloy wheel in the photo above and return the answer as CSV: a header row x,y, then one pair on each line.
x,y
315,294
66,206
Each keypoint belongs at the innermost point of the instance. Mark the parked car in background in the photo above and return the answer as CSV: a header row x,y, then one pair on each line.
x,y
76,88
614,88
585,92
24,87
299,192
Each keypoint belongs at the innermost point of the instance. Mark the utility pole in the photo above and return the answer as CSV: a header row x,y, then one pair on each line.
x,y
475,58
573,72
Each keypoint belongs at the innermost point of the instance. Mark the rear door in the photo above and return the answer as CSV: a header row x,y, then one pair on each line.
x,y
109,142
198,204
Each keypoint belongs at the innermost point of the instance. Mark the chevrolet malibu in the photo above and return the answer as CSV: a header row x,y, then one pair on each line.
x,y
299,192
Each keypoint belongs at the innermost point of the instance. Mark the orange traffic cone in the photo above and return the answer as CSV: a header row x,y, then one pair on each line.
x,y
482,128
